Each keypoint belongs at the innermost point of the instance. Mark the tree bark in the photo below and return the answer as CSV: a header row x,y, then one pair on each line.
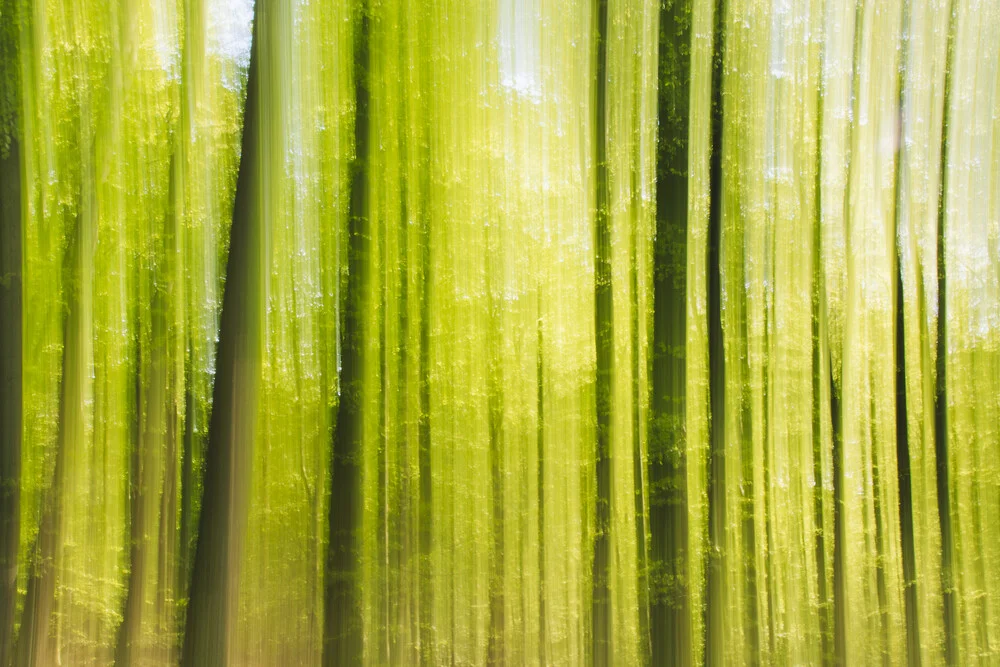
x,y
715,558
602,635
670,625
11,314
212,607
342,622
941,386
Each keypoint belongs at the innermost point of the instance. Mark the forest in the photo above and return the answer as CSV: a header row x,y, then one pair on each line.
x,y
499,332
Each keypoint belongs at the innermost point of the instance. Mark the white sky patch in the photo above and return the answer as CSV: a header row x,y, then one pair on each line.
x,y
517,43
165,31
229,29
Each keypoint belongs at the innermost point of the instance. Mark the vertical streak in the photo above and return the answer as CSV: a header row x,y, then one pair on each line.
x,y
496,642
902,422
839,592
603,650
670,623
836,417
11,313
715,557
638,463
342,641
950,609
540,445
32,640
819,332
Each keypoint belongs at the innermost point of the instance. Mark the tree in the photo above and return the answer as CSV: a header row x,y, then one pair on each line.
x,y
603,649
670,625
11,314
941,378
715,565
342,613
222,523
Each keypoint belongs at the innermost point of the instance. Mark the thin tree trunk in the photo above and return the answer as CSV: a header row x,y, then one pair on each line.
x,y
128,631
839,590
10,389
11,332
187,490
342,622
167,579
904,480
426,598
903,473
540,445
670,625
151,413
950,608
212,607
638,461
495,400
820,342
715,558
602,635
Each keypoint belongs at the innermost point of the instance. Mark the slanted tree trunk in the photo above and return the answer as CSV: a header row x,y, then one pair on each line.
x,y
342,621
212,607
670,624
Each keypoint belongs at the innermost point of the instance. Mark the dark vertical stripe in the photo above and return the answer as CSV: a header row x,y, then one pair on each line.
x,y
950,609
603,649
715,557
342,641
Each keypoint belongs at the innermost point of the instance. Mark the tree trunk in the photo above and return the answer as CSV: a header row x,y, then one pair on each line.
x,y
12,316
10,389
715,558
903,472
213,601
941,386
342,622
670,625
602,637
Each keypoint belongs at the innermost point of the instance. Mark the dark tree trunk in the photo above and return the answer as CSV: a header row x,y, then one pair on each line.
x,y
902,423
950,608
212,607
715,558
342,621
603,648
11,332
670,625
10,389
